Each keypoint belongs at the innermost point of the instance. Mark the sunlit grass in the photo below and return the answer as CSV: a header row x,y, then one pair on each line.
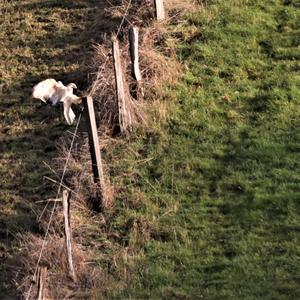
x,y
207,199
220,190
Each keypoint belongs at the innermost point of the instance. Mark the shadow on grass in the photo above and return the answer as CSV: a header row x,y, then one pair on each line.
x,y
30,129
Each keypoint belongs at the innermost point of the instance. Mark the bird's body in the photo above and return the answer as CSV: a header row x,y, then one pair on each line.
x,y
51,91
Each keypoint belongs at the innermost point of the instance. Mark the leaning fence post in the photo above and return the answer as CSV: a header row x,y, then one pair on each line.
x,y
160,10
125,120
68,234
134,54
97,166
42,273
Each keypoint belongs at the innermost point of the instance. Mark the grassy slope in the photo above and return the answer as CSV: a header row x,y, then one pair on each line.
x,y
215,195
38,39
211,198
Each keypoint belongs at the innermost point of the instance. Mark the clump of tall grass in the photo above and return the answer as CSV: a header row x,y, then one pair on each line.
x,y
91,224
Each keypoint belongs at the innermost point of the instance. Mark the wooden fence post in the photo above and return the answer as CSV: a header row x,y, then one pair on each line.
x,y
160,10
125,120
42,274
134,54
97,166
68,234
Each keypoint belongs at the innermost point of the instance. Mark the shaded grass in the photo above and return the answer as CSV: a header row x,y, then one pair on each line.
x,y
38,40
207,204
218,186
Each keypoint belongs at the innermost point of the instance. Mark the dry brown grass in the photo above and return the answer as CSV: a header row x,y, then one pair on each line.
x,y
159,67
79,176
85,223
59,285
157,62
85,226
103,91
179,7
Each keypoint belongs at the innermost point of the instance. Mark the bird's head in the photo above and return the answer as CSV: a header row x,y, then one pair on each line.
x,y
72,85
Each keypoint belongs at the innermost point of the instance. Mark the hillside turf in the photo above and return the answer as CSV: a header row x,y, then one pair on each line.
x,y
208,201
218,186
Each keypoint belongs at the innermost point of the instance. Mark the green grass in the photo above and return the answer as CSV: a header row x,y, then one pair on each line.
x,y
208,202
214,207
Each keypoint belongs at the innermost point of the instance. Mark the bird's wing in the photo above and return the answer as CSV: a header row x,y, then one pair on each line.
x,y
42,88
40,91
68,112
57,94
46,90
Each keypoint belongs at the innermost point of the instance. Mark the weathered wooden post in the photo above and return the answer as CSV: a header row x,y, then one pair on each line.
x,y
125,120
68,234
89,114
42,274
160,10
134,54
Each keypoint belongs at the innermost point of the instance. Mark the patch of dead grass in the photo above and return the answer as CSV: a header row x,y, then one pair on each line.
x,y
159,68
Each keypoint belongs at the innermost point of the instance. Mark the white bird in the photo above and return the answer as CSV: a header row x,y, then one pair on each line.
x,y
51,91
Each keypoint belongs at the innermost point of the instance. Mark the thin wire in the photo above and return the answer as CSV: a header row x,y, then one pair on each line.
x,y
54,205
124,17
115,6
99,73
65,168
